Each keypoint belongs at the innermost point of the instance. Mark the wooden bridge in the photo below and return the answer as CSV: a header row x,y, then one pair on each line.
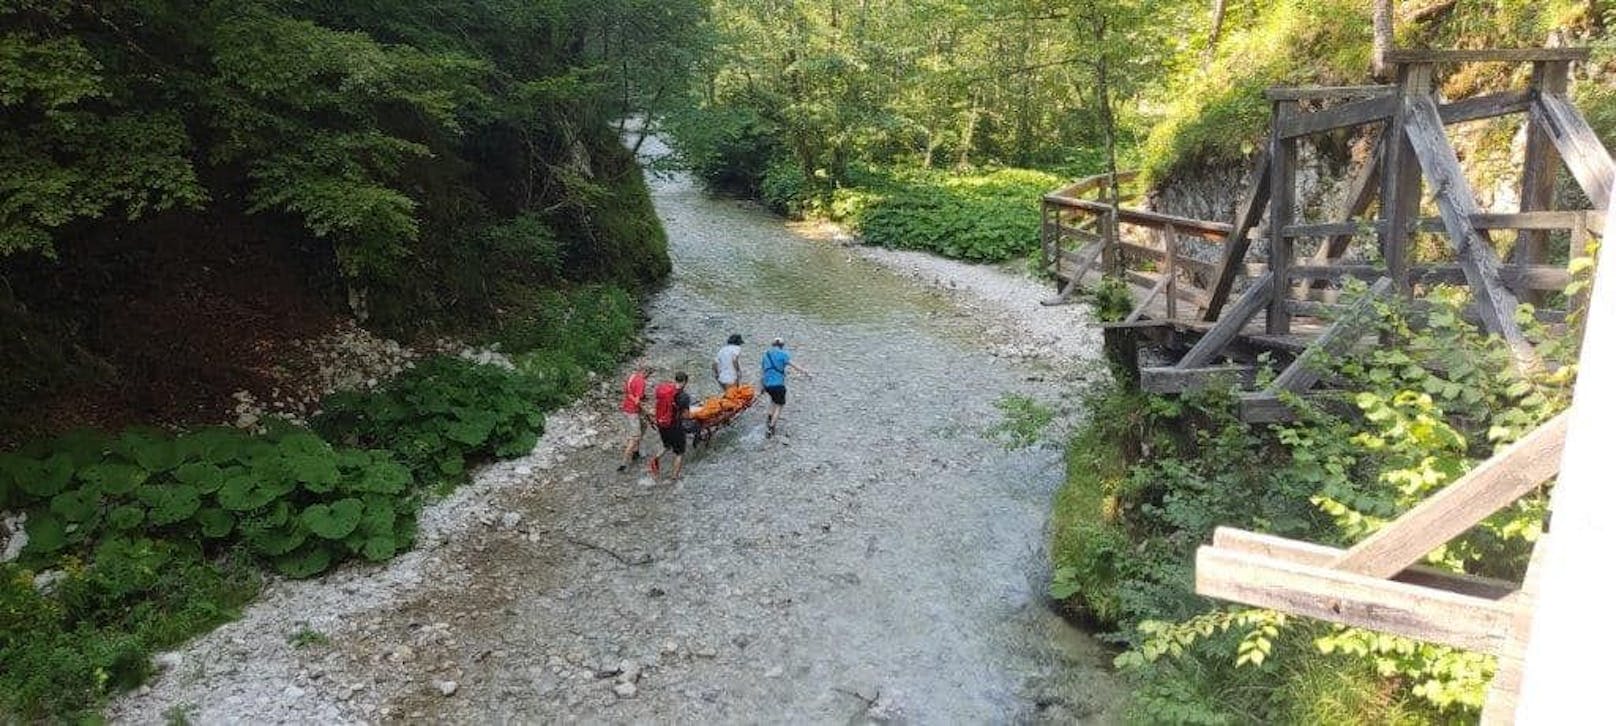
x,y
1541,629
1285,306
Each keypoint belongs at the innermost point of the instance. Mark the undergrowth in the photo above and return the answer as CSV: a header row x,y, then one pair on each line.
x,y
142,539
1149,478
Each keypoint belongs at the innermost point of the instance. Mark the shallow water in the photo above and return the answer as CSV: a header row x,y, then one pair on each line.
x,y
880,549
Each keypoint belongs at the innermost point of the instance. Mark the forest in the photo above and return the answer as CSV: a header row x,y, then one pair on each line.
x,y
189,188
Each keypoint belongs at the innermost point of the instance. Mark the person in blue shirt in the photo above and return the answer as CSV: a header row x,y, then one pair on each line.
x,y
776,361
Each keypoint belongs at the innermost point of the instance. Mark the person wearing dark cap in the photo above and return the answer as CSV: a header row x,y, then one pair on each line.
x,y
727,364
776,361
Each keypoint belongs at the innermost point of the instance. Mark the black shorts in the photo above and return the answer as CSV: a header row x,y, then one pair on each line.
x,y
673,438
776,394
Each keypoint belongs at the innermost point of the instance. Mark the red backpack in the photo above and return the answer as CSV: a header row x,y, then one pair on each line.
x,y
666,392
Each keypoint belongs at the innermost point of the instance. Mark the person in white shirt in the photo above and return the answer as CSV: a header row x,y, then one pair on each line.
x,y
727,364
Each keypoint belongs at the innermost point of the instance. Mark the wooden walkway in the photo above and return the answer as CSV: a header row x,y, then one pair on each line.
x,y
1219,317
1217,327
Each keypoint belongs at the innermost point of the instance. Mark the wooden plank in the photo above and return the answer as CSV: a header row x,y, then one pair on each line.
x,y
1217,338
1212,231
1540,166
1350,228
1187,293
1333,272
1529,277
1506,476
1588,159
1487,55
1354,323
1491,105
1144,304
1400,182
1171,242
1281,207
1319,93
1477,258
1422,613
1531,220
1250,209
1355,113
1316,555
1077,233
1179,380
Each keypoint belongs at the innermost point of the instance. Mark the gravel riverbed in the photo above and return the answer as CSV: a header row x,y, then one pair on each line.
x,y
881,559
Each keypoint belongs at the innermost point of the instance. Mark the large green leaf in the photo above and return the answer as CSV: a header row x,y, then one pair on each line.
x,y
307,562
45,533
215,444
317,471
379,547
333,521
472,430
215,522
205,476
241,493
171,503
385,476
274,541
77,506
113,478
152,450
125,517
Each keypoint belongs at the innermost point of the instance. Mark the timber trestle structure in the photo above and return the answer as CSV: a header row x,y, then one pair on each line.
x,y
1193,306
1380,583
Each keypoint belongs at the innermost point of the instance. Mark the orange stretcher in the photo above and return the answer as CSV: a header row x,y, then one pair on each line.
x,y
716,412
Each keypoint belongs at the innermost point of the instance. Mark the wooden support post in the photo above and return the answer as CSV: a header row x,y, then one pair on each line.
x,y
1234,250
1539,167
1496,304
1255,298
1281,206
1335,341
1180,380
1587,158
1400,180
1144,303
1171,238
1506,476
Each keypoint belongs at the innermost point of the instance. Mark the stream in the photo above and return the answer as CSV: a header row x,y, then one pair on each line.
x,y
881,559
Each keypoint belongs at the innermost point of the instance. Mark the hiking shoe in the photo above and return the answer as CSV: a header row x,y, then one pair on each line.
x,y
621,468
770,434
636,456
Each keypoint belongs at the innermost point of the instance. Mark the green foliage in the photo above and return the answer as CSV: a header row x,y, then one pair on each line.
x,y
1113,300
1429,409
71,645
211,487
307,636
437,418
979,217
1025,420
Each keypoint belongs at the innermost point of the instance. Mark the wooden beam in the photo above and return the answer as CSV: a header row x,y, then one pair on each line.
x,y
1251,207
1179,380
1212,231
1316,555
1422,613
1531,220
1144,304
1356,113
1264,407
1187,293
1488,55
1540,165
1525,277
1477,258
1491,105
1319,93
1590,163
1506,476
1255,298
1354,323
1347,229
1362,190
1400,181
1281,208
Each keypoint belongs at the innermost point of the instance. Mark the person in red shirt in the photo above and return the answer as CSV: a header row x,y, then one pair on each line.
x,y
636,411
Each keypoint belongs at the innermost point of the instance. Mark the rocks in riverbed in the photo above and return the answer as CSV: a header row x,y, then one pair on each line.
x,y
446,688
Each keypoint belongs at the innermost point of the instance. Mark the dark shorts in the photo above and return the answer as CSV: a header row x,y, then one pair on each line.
x,y
776,394
673,438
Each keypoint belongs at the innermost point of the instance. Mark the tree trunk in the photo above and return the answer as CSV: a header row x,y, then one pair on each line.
x,y
1216,29
1383,35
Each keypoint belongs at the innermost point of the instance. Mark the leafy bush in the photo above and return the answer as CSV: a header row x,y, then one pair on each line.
x,y
727,147
1150,477
438,418
71,644
979,217
287,497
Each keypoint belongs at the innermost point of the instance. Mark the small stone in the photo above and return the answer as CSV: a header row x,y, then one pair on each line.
x,y
168,661
403,654
510,520
344,694
292,693
774,672
524,470
670,647
625,690
706,652
447,688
